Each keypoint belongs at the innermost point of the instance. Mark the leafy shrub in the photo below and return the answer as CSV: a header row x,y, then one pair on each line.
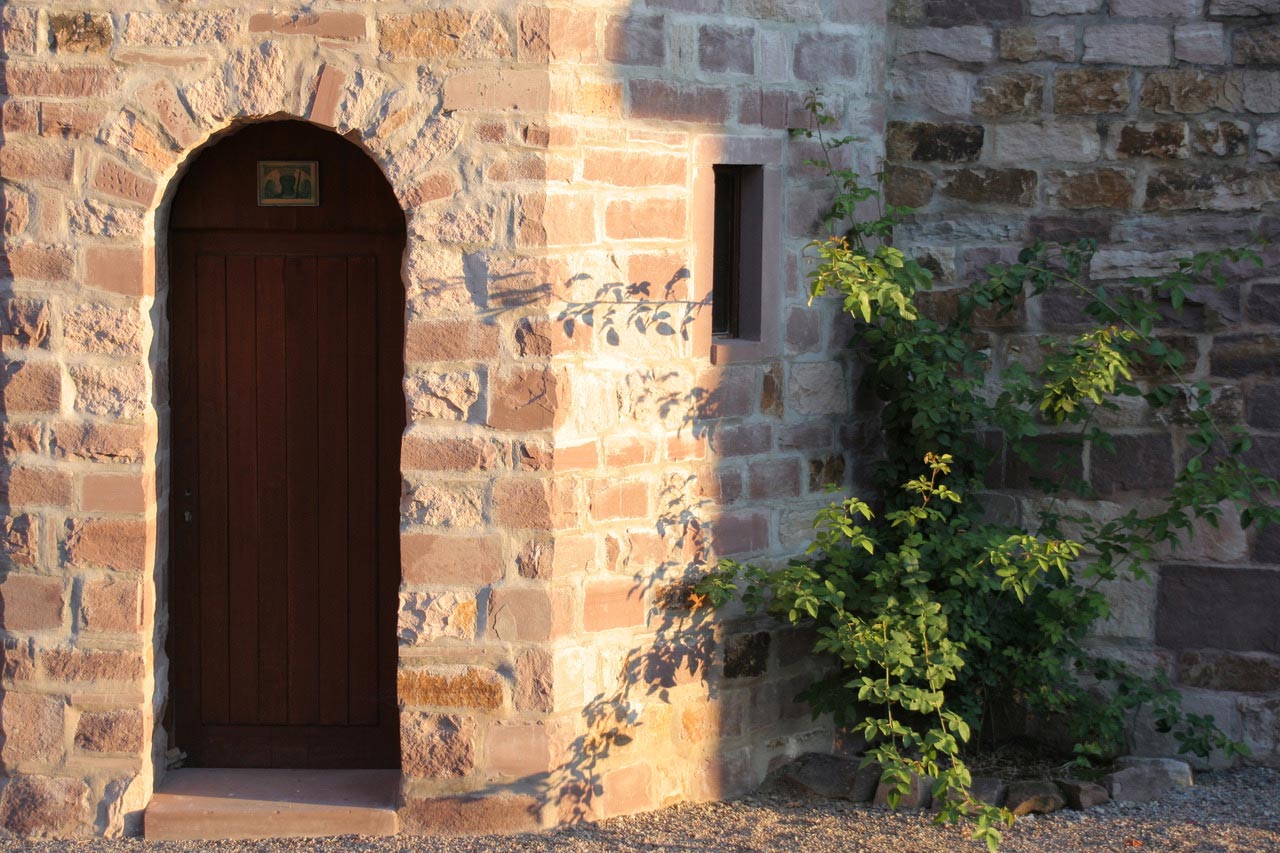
x,y
935,614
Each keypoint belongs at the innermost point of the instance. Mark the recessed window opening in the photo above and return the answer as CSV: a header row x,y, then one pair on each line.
x,y
736,253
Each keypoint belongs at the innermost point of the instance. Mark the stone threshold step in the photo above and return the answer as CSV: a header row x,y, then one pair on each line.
x,y
207,804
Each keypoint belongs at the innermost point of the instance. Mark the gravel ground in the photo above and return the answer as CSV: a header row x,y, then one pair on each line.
x,y
1235,811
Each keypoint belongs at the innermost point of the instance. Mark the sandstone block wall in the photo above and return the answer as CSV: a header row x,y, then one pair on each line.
x,y
576,440
1150,125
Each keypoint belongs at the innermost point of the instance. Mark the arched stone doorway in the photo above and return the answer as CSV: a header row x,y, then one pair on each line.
x,y
287,330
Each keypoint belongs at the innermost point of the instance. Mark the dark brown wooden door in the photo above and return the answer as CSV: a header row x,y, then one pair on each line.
x,y
287,414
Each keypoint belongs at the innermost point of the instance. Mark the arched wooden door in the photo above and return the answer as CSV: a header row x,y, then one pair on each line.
x,y
287,330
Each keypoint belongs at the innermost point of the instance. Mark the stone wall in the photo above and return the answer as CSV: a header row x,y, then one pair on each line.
x,y
1153,126
572,449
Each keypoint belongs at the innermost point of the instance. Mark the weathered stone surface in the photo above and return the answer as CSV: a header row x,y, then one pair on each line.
x,y
1257,46
1015,187
118,544
1096,188
117,730
818,388
1178,771
1083,795
1024,798
1223,189
471,815
450,687
1034,44
944,90
1137,784
1087,91
1011,94
947,12
456,33
426,617
1016,144
44,807
444,396
927,142
1162,140
92,665
1139,462
1128,44
962,44
84,32
1064,7
1189,92
31,602
1240,355
726,49
746,655
32,725
1201,43
111,604
1222,138
1207,607
436,746
1240,672
903,186
822,57
635,40
1243,8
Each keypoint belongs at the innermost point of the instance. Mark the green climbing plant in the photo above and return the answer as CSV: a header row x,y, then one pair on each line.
x,y
935,613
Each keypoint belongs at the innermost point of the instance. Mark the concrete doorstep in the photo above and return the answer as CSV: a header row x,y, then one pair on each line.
x,y
194,804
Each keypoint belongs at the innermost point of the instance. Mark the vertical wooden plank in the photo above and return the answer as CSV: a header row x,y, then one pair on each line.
x,y
211,300
391,424
362,467
303,433
331,315
184,563
273,494
242,489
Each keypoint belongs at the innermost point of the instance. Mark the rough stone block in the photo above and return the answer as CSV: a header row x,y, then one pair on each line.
x,y
123,545
1128,44
450,687
1200,43
1095,188
747,655
32,725
1017,144
1014,187
726,49
118,730
471,815
1138,463
928,142
1207,607
1010,94
430,558
1159,140
1041,43
961,44
436,746
1088,91
1137,785
81,32
45,807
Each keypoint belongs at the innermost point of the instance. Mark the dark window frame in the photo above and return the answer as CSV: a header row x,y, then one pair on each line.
x,y
738,238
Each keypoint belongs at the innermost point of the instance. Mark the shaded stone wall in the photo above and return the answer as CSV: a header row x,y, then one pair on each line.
x,y
1151,125
576,441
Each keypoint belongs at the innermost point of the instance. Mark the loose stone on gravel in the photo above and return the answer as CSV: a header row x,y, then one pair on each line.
x,y
1137,784
1083,795
1026,798
1179,772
